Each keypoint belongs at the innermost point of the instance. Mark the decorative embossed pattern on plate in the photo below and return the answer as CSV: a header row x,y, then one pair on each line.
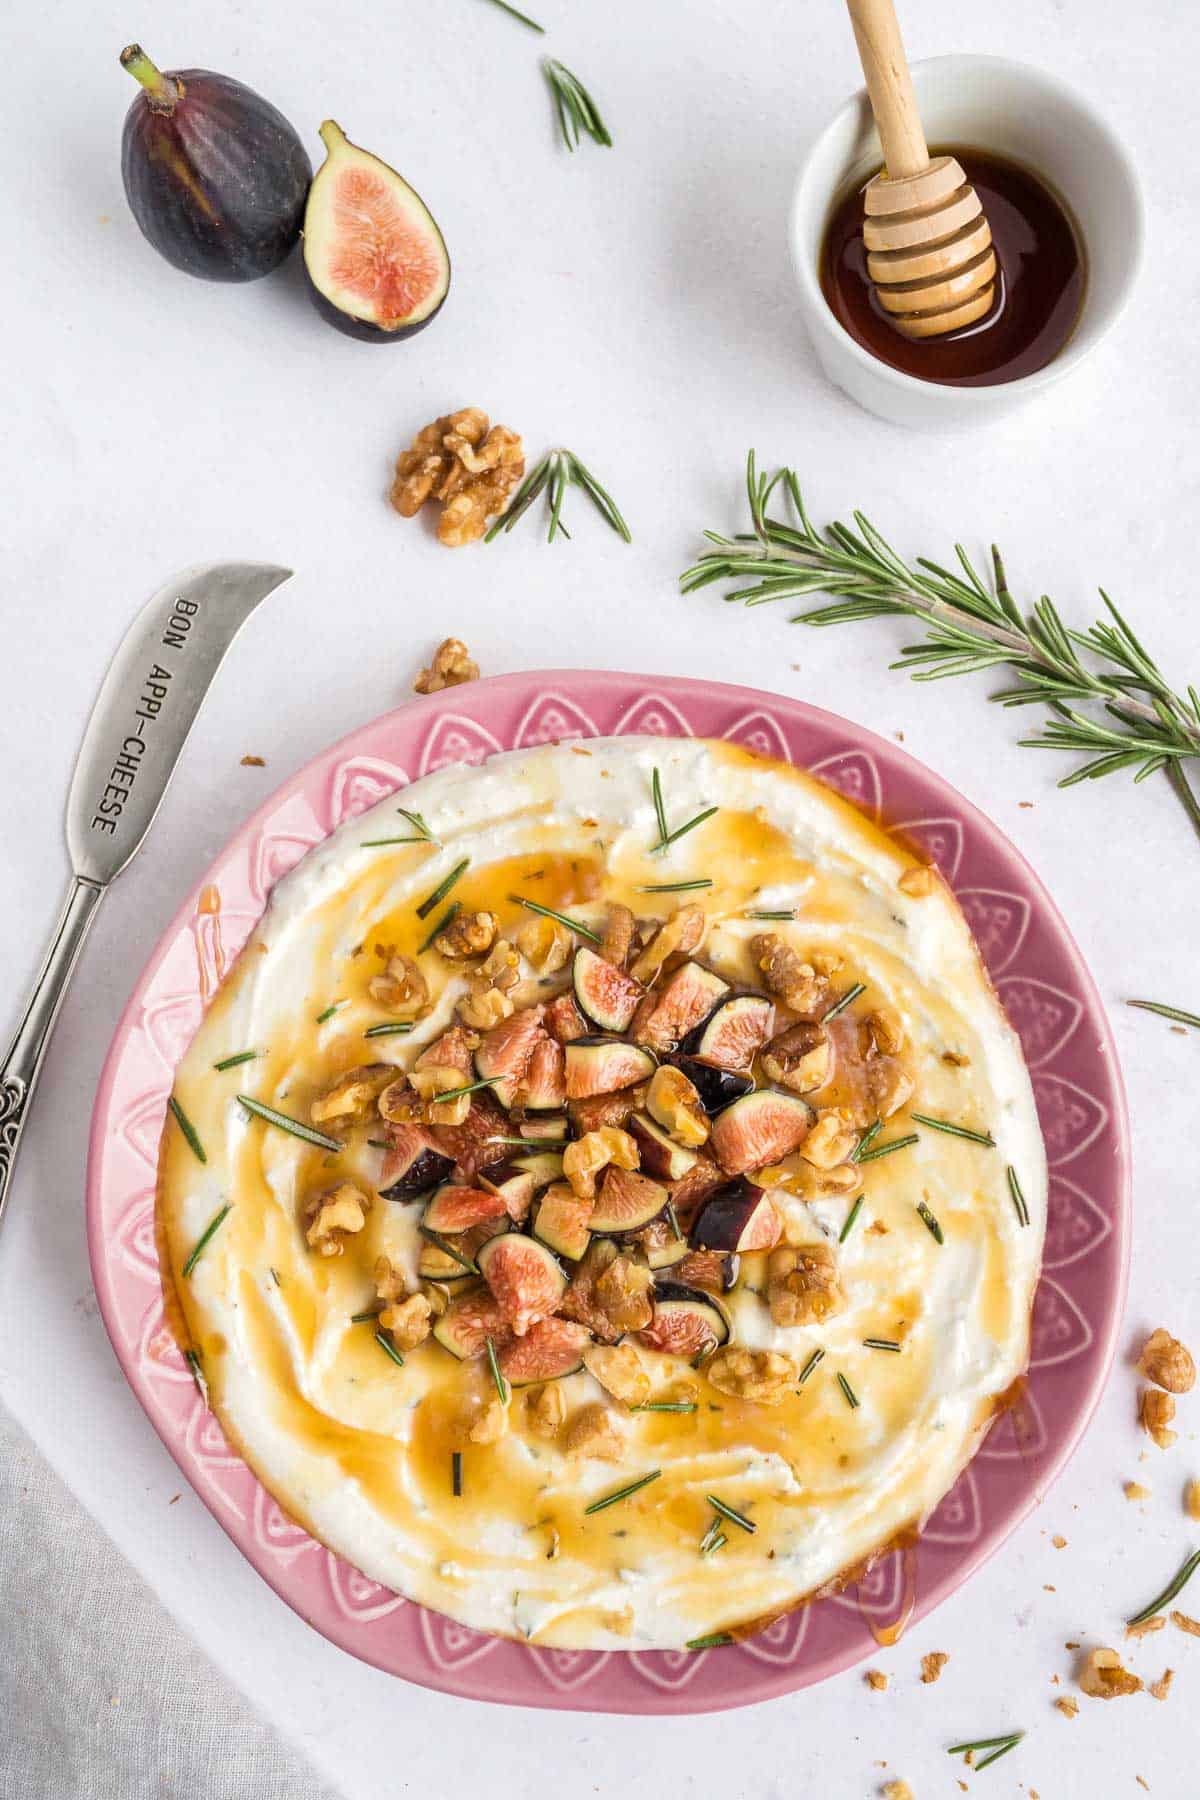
x,y
1053,1005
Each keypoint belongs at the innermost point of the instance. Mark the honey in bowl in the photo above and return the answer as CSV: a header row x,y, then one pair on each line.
x,y
1038,295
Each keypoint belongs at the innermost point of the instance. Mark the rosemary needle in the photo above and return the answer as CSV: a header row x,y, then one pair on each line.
x,y
472,1087
851,1216
997,1746
731,1513
665,1406
363,1317
188,1129
210,1230
418,823
865,1141
547,912
1172,1588
448,917
447,1249
851,1397
624,1493
782,912
660,811
285,1122
1018,1198
232,1062
329,1012
443,888
1167,1012
533,25
386,1345
930,1222
816,1357
713,1641
456,1473
676,887
951,1130
900,1143
497,1377
847,999
192,1359
395,1030
881,1344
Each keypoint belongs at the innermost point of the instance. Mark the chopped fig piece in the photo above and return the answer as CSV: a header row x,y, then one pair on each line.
x,y
687,998
564,1021
436,1264
677,936
506,1052
661,1244
452,1050
545,1085
458,1208
469,1321
674,1103
685,1322
472,1143
660,1154
627,1201
760,1128
524,1277
735,1033
514,1184
410,1167
715,1271
701,1180
598,1065
717,1088
544,1166
544,1130
549,1350
603,1110
799,1058
740,1218
563,1221
580,1303
605,993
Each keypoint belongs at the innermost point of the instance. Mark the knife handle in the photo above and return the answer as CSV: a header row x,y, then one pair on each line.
x,y
22,1065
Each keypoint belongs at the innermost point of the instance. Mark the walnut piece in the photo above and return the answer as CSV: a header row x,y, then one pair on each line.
x,y
617,941
830,1141
594,1432
1133,1490
877,1681
620,1370
545,944
932,1666
467,935
409,1321
622,1294
1166,1362
917,882
595,1150
1184,1623
1068,1706
485,1006
470,467
1158,1690
802,1284
799,1058
390,1282
762,1376
490,1423
352,1096
673,1102
1104,1678
1147,1628
788,977
451,666
897,1790
546,1409
1191,1499
1155,1412
401,987
333,1216
678,935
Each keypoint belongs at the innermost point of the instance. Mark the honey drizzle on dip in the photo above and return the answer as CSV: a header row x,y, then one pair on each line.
x,y
359,1450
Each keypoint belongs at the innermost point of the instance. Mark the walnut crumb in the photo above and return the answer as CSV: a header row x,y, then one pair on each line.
x,y
917,882
1191,1499
1142,1782
1161,1688
1167,1362
932,1666
1135,1491
1103,1676
468,464
1059,1541
897,1790
1067,1705
254,762
1146,1628
1156,1410
330,1218
877,1681
451,667
1191,1626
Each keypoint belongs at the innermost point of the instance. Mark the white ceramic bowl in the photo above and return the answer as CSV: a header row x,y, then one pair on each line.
x,y
1019,112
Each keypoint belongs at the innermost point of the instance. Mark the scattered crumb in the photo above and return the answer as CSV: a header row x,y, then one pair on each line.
x,y
897,1790
452,665
1025,803
576,751
1049,1588
877,1228
173,1499
254,762
899,737
1179,1030
1191,1626
1147,1626
1162,1687
1191,1499
1059,1541
1155,1411
1135,1491
932,1666
1067,1705
877,1680
1104,1677
1070,1644
1142,1782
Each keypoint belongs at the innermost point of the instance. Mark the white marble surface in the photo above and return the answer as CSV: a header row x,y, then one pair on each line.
x,y
636,304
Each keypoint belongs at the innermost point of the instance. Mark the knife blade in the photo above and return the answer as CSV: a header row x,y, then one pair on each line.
x,y
146,707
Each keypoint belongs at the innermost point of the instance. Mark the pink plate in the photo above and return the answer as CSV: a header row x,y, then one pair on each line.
x,y
1049,996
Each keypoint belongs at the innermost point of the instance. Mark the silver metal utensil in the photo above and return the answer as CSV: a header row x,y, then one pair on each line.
x,y
138,727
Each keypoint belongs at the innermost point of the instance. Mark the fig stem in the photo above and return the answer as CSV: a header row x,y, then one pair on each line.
x,y
163,90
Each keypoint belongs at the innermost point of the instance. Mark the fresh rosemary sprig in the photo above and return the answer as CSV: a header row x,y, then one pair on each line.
x,y
999,1746
665,834
523,18
577,111
188,1129
633,1487
952,1130
443,888
1173,1587
558,470
548,912
1174,1013
971,627
210,1231
285,1122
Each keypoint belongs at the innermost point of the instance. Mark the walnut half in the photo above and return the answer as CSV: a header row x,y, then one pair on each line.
x,y
465,462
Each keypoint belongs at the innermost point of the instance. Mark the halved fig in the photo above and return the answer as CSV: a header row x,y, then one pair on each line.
x,y
733,1035
472,1144
759,1129
602,1065
455,1209
717,1088
605,993
410,1167
800,1058
544,1084
564,1021
512,1183
626,1201
740,1217
661,1244
544,1166
524,1277
545,1129
686,1322
506,1051
563,1221
715,1271
376,262
469,1321
599,1110
672,1011
689,1194
549,1350
660,1154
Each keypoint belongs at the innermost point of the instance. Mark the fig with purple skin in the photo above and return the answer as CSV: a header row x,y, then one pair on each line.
x,y
660,1154
740,1217
605,993
733,1035
626,1202
410,1167
454,1209
544,1086
513,1184
505,1052
668,1014
544,1166
686,1322
524,1277
376,262
469,1321
215,177
598,1065
758,1129
548,1351
717,1088
563,1221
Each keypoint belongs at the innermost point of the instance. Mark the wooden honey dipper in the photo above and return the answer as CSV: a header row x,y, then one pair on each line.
x,y
929,245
